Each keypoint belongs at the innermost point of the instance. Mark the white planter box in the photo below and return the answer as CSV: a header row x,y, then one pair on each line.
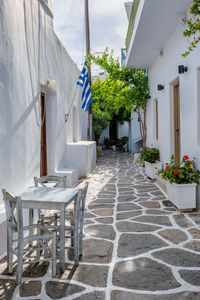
x,y
152,169
183,196
136,157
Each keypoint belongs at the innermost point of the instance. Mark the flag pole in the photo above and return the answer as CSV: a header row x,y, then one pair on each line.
x,y
87,32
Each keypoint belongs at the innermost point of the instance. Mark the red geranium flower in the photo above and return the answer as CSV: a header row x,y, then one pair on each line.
x,y
185,157
176,171
144,149
167,168
159,155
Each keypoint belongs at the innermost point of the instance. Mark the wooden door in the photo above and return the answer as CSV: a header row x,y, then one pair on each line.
x,y
43,153
156,119
177,141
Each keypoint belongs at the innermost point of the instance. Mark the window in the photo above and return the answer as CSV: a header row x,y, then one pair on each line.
x,y
155,119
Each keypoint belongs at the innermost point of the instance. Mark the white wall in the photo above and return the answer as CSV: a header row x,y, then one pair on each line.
x,y
136,140
104,134
130,129
30,54
123,129
165,71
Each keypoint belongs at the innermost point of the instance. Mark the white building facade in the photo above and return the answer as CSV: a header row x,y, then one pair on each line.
x,y
157,44
40,103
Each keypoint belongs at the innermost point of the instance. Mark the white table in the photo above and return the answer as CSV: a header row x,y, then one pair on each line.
x,y
51,199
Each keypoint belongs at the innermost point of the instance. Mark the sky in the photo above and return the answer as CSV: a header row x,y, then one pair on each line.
x,y
108,27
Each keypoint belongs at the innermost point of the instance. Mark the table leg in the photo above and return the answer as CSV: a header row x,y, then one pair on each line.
x,y
31,215
62,241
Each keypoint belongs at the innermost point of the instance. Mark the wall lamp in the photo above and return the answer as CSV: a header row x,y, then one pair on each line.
x,y
160,87
148,97
66,117
51,83
182,69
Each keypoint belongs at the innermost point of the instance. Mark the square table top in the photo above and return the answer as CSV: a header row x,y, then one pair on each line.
x,y
44,196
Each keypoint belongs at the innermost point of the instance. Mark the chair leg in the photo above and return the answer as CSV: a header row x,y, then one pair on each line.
x,y
20,262
81,244
55,219
42,232
38,242
54,254
31,217
81,235
72,231
76,247
9,249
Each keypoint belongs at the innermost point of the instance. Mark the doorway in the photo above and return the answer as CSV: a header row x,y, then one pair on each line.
x,y
43,151
113,130
177,140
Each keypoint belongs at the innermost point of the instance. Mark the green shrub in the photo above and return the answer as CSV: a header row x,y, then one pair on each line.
x,y
121,143
98,152
108,143
150,155
182,173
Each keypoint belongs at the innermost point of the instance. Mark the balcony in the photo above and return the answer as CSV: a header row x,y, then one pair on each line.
x,y
151,24
131,22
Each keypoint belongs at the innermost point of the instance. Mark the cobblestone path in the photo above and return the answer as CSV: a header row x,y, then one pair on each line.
x,y
136,246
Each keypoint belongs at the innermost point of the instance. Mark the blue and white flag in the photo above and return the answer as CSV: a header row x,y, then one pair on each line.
x,y
85,84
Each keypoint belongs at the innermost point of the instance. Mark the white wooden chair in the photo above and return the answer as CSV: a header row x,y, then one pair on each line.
x,y
50,181
75,227
15,225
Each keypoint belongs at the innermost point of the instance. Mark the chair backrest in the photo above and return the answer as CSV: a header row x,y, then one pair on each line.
x,y
83,195
80,204
11,203
54,181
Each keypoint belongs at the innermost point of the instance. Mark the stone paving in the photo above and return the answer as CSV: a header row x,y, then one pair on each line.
x,y
137,246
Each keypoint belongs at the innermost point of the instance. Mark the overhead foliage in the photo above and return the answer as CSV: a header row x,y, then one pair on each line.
x,y
122,91
193,27
109,102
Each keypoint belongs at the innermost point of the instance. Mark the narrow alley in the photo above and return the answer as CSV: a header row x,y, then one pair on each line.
x,y
136,244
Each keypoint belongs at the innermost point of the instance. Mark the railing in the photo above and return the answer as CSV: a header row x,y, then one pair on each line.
x,y
131,23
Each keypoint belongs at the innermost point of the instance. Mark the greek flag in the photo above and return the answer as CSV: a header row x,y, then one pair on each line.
x,y
85,84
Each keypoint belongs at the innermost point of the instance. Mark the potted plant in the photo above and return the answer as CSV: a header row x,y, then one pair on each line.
x,y
122,144
182,180
150,156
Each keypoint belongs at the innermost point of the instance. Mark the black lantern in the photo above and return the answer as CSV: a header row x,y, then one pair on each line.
x,y
148,97
160,87
182,69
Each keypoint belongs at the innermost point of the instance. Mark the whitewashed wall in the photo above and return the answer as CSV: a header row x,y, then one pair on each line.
x,y
30,54
104,134
165,71
136,140
130,129
123,129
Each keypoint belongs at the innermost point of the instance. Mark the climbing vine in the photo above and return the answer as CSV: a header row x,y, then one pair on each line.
x,y
193,27
121,92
